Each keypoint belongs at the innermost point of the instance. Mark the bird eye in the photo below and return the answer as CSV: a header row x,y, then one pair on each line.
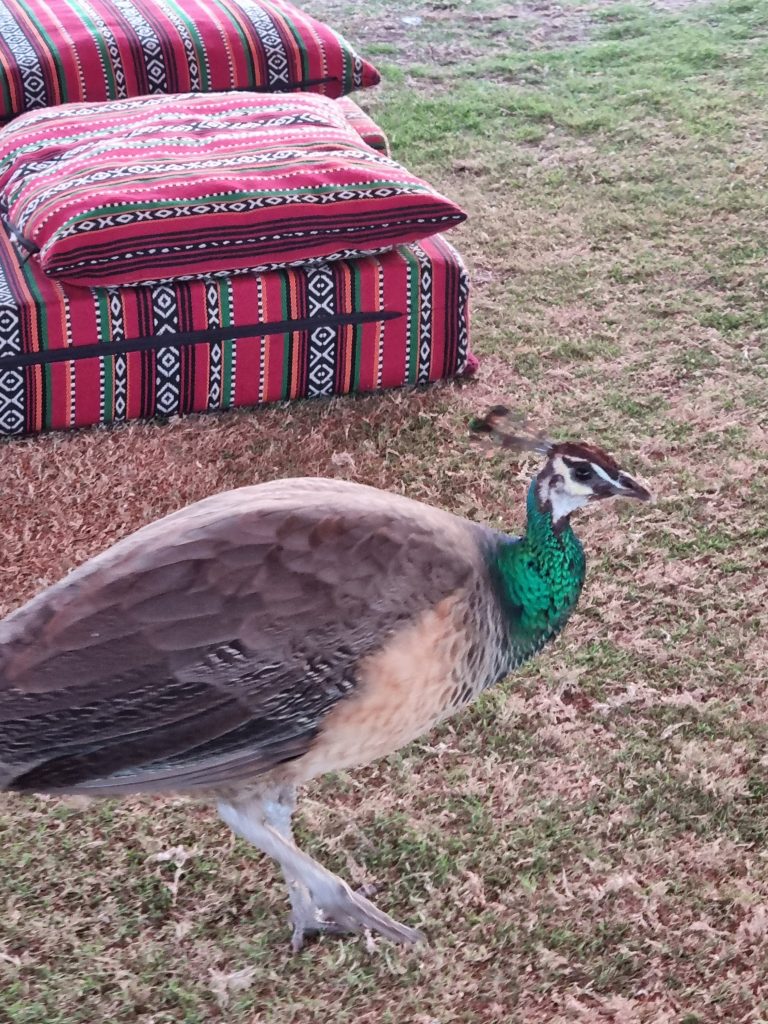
x,y
582,472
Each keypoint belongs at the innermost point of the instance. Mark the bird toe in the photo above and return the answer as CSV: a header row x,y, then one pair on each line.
x,y
347,911
337,910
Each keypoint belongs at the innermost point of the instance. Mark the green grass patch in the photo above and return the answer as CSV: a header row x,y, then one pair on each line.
x,y
588,839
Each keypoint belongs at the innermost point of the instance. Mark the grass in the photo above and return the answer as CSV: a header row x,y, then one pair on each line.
x,y
587,843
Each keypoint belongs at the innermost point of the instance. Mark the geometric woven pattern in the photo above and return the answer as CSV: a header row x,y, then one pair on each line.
x,y
322,340
364,125
69,51
13,396
73,356
147,189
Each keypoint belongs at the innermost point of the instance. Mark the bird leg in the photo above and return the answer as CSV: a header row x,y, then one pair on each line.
x,y
307,919
320,900
278,807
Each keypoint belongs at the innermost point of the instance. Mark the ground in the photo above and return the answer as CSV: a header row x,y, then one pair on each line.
x,y
588,843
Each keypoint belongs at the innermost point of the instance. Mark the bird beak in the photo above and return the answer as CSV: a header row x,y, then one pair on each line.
x,y
626,487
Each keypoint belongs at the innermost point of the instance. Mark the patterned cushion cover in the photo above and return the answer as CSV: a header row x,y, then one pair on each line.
x,y
364,125
72,357
73,51
170,186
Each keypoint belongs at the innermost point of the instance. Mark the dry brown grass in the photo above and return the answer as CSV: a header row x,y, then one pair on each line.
x,y
588,843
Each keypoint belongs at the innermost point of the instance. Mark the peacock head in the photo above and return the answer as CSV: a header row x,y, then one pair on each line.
x,y
575,473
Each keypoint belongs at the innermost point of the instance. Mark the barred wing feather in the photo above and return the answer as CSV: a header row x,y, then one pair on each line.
x,y
209,646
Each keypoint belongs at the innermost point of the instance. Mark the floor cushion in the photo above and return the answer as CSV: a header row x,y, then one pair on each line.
x,y
72,356
159,187
72,51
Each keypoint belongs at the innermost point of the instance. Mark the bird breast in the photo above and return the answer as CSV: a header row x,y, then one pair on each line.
x,y
425,672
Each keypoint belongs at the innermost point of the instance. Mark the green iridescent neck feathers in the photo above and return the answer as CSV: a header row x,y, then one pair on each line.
x,y
539,578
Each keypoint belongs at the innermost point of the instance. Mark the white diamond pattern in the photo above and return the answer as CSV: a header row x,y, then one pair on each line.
x,y
216,360
27,61
113,50
426,340
150,46
167,360
322,340
274,50
12,389
117,334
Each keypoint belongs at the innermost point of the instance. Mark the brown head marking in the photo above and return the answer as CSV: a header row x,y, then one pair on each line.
x,y
581,450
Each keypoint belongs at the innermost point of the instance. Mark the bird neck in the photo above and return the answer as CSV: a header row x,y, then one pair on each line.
x,y
539,578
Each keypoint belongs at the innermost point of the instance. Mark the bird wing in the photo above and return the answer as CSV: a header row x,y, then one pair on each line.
x,y
208,646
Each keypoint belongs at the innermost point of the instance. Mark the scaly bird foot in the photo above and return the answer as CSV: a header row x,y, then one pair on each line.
x,y
345,912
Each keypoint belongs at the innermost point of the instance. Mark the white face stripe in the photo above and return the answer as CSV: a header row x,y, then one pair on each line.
x,y
596,468
565,497
571,494
563,503
602,473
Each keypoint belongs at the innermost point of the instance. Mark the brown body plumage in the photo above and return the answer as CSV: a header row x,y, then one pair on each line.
x,y
264,608
248,643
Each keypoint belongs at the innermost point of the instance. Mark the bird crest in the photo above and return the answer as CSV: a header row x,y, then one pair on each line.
x,y
513,432
510,431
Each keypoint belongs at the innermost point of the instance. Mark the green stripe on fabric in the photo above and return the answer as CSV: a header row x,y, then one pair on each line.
x,y
202,57
52,50
108,403
413,306
42,334
284,296
232,197
246,49
228,348
357,333
98,38
299,40
5,93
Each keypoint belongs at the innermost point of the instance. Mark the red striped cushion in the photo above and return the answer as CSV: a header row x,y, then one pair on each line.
x,y
170,186
74,51
72,356
364,125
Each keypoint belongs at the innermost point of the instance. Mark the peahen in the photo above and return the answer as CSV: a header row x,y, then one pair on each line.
x,y
256,639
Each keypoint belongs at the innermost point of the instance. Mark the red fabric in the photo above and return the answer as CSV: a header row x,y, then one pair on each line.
x,y
72,357
67,52
364,125
172,186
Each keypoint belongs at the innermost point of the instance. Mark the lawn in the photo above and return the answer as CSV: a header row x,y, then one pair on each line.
x,y
588,842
